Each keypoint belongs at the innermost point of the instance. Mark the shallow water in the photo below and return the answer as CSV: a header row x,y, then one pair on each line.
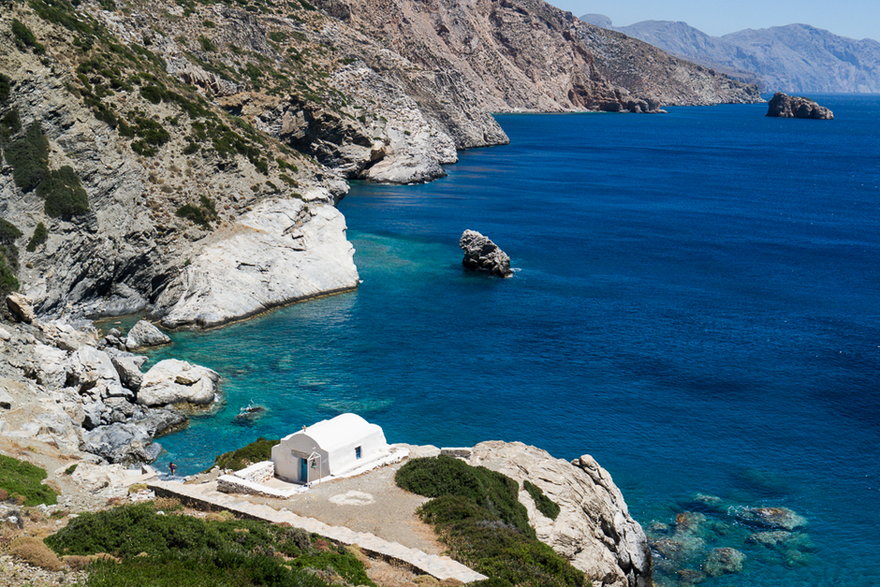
x,y
696,305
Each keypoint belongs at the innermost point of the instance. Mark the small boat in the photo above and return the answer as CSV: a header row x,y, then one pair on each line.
x,y
247,414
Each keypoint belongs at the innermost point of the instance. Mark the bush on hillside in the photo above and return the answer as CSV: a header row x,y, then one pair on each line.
x,y
41,234
33,551
545,505
5,88
474,516
497,493
24,37
29,157
64,194
8,281
24,479
255,452
184,550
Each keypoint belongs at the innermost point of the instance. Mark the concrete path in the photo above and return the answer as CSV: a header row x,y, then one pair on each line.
x,y
441,567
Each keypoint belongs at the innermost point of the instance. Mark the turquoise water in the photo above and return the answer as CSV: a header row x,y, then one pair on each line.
x,y
697,304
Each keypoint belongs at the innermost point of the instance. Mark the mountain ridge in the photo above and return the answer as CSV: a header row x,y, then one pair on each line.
x,y
789,58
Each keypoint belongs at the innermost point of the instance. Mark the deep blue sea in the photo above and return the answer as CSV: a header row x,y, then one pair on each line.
x,y
697,305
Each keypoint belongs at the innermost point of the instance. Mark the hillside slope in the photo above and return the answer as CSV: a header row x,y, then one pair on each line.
x,y
185,159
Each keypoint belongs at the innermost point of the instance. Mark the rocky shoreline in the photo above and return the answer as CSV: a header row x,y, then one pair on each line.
x,y
82,392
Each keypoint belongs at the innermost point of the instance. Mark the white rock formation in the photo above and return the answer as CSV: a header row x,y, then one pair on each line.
x,y
594,529
172,381
280,252
144,334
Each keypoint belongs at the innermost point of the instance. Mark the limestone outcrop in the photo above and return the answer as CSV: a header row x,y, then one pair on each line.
x,y
481,254
173,381
280,252
785,106
143,334
594,529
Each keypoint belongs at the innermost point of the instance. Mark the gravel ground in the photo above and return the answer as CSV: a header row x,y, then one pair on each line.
x,y
371,502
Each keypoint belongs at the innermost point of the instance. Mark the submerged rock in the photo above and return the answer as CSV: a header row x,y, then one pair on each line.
x,y
172,381
144,334
723,561
481,254
785,106
772,517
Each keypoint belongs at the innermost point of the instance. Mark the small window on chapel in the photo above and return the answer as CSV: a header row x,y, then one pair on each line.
x,y
357,452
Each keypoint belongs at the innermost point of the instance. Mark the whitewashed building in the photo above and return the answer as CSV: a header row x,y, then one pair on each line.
x,y
330,447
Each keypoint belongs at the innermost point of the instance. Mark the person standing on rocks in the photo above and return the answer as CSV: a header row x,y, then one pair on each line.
x,y
173,468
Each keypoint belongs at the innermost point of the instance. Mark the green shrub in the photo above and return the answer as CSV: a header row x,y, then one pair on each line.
x,y
29,157
278,36
175,549
545,505
8,282
24,37
5,88
435,477
39,237
472,514
9,233
259,450
64,194
24,479
10,124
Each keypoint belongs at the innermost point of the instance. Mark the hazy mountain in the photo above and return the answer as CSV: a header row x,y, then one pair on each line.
x,y
792,58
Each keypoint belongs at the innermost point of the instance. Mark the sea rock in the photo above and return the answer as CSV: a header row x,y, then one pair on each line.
x,y
782,540
594,529
281,252
772,517
785,106
723,561
20,307
144,334
172,381
481,254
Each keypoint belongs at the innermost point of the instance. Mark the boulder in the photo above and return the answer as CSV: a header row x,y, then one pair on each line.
x,y
593,529
723,561
121,443
143,334
20,307
92,371
172,381
785,106
129,369
774,518
481,254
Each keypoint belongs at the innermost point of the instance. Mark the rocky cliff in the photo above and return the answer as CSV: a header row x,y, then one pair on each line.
x,y
184,160
593,529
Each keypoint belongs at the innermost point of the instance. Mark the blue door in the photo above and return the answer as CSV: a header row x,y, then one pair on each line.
x,y
304,470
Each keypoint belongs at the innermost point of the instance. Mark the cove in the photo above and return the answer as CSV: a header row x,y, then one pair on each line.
x,y
695,305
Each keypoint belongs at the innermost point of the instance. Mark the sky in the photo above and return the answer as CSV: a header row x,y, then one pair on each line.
x,y
858,19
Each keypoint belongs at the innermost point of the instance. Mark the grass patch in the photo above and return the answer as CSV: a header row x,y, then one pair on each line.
x,y
176,549
40,235
23,479
545,505
255,452
474,513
